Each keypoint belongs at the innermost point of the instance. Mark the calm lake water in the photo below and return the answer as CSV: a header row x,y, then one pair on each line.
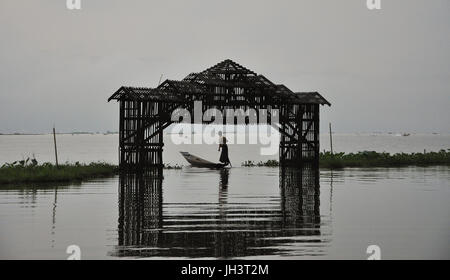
x,y
99,147
234,213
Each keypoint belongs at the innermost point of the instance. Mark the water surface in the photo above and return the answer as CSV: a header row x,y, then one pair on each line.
x,y
237,213
99,147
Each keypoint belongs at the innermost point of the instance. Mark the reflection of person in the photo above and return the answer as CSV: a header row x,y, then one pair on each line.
x,y
223,145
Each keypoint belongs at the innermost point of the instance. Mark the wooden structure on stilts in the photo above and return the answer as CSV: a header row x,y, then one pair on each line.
x,y
146,112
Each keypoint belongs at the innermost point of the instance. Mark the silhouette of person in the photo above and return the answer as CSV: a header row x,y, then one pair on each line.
x,y
223,145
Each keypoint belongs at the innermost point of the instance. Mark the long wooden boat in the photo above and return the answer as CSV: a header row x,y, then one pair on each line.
x,y
196,161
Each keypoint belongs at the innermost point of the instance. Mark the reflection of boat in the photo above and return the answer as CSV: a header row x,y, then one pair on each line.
x,y
199,162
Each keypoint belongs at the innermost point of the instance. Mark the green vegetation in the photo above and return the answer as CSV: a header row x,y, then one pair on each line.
x,y
269,163
372,159
29,171
176,166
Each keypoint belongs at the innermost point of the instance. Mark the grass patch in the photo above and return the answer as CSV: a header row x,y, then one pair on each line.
x,y
269,163
176,166
372,159
29,171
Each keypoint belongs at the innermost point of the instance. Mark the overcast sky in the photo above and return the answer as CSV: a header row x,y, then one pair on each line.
x,y
386,70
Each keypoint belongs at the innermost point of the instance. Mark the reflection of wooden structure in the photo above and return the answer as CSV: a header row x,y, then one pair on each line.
x,y
300,193
222,230
145,112
140,207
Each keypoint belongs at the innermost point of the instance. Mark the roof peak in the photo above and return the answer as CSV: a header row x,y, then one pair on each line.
x,y
229,66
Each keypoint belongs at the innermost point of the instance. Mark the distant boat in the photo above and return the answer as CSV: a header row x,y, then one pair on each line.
x,y
406,134
196,161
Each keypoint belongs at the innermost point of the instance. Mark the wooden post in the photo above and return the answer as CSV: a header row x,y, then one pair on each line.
x,y
331,141
56,151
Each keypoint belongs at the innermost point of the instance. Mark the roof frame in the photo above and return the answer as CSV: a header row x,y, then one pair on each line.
x,y
226,75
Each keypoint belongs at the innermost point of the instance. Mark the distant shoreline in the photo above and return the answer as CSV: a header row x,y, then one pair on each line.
x,y
59,133
394,134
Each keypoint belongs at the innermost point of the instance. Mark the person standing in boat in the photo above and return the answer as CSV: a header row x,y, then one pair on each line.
x,y
223,145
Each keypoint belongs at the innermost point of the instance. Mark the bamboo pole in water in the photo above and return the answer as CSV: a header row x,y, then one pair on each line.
x,y
331,141
56,151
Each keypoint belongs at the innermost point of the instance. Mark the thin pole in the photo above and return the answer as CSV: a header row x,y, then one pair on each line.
x,y
331,140
54,141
